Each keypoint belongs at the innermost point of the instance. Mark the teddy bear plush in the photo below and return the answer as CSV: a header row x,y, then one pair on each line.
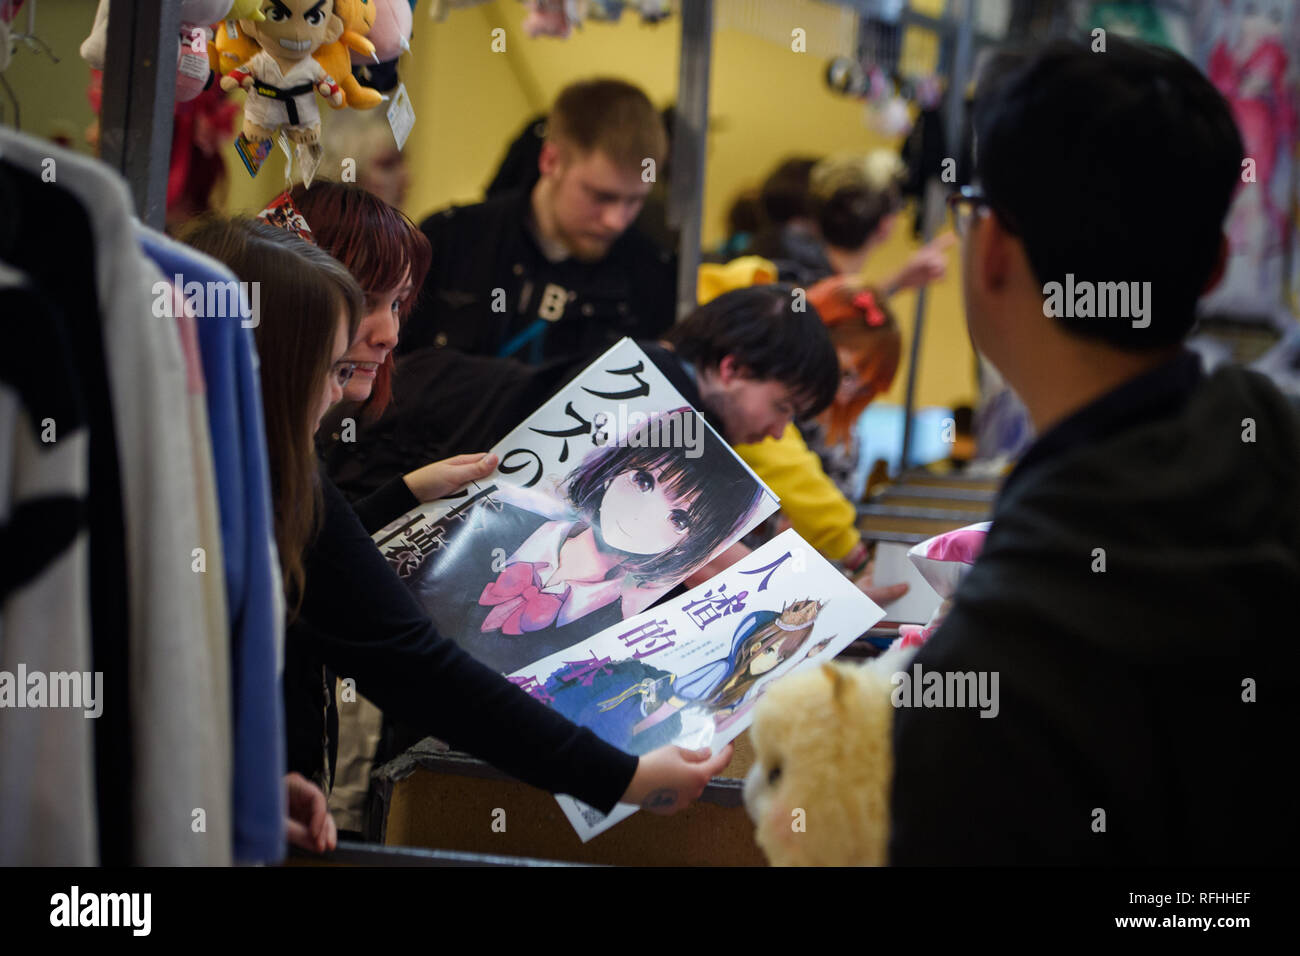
x,y
818,790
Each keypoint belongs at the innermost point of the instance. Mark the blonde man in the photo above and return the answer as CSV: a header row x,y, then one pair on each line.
x,y
557,269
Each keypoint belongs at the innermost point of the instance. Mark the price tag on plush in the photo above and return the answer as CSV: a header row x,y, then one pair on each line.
x,y
401,115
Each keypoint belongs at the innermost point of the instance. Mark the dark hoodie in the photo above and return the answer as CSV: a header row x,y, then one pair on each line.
x,y
1126,732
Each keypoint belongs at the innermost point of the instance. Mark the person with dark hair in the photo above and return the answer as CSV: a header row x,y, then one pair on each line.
x,y
1133,594
757,360
839,209
789,235
554,267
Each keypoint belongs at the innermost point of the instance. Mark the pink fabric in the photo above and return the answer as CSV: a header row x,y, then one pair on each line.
x,y
189,332
518,603
962,545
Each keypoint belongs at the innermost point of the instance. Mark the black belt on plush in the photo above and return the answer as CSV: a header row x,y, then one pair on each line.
x,y
284,96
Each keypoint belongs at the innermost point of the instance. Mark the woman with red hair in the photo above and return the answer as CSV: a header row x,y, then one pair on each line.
x,y
388,256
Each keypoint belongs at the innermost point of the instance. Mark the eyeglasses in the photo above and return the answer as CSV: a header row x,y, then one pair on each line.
x,y
342,372
964,204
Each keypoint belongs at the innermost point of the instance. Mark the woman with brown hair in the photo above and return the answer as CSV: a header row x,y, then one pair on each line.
x,y
352,612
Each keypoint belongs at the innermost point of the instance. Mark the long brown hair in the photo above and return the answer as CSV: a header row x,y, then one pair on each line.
x,y
301,292
377,243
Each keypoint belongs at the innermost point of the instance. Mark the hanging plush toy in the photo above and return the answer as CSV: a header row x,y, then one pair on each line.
x,y
358,17
193,69
282,79
193,64
246,10
233,48
390,32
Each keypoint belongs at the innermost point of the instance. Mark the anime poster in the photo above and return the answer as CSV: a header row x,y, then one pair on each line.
x,y
689,671
1249,50
606,498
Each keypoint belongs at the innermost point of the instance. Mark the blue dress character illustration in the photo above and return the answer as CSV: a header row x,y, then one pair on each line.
x,y
527,571
638,707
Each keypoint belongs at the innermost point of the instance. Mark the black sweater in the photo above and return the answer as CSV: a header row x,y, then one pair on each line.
x,y
1124,691
488,282
358,619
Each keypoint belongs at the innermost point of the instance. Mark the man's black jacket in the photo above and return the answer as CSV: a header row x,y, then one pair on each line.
x,y
543,309
1136,597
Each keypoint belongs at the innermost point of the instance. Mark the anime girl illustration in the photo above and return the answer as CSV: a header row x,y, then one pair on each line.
x,y
1250,64
638,707
619,531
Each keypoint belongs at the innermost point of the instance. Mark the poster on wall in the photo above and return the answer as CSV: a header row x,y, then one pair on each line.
x,y
690,670
1249,50
606,498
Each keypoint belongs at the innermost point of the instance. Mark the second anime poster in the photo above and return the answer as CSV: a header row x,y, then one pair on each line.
x,y
689,671
606,498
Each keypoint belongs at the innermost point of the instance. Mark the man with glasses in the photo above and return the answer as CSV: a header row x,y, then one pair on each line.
x,y
1133,590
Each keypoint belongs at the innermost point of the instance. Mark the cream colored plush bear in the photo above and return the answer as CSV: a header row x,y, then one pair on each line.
x,y
818,790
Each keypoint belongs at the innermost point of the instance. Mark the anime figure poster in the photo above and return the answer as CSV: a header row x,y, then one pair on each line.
x,y
605,499
1249,50
689,671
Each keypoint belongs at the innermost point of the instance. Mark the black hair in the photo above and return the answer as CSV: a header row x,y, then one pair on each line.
x,y
785,193
1115,166
849,216
724,493
772,333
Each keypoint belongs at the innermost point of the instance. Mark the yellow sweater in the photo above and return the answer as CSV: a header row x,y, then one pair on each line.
x,y
817,509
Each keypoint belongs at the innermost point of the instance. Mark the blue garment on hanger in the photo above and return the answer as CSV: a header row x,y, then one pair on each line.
x,y
239,456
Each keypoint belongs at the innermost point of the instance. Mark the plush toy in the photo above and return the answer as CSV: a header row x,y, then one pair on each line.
x,y
246,10
818,791
390,32
192,65
358,17
283,78
231,48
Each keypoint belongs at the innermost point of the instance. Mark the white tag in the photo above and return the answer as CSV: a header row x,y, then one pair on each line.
x,y
309,157
193,65
283,140
231,31
401,115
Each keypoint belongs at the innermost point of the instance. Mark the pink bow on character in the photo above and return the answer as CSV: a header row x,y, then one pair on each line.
x,y
518,603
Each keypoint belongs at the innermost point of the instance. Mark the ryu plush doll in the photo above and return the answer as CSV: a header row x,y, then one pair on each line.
x,y
283,79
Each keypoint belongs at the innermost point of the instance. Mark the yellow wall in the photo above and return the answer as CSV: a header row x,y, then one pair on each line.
x,y
766,102
52,96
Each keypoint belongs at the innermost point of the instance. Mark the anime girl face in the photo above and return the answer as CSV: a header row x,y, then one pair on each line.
x,y
640,513
778,643
668,508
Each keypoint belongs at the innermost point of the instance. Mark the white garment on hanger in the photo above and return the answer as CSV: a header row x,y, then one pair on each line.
x,y
47,755
181,800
